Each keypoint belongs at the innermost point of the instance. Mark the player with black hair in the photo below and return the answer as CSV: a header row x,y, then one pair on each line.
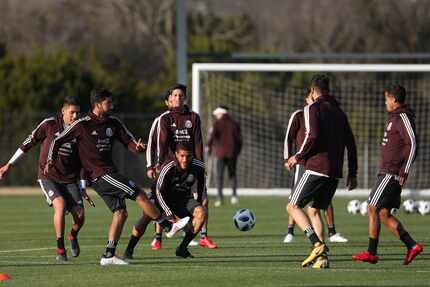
x,y
95,134
60,185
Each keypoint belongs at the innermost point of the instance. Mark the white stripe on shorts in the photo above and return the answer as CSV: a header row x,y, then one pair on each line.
x,y
298,189
118,184
48,200
380,190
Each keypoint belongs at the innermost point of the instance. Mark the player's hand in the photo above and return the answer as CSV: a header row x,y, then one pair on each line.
x,y
140,146
291,163
286,165
47,167
351,182
4,169
150,172
402,179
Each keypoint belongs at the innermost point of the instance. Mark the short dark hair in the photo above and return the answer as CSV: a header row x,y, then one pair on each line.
x,y
397,92
223,107
98,95
183,146
181,87
71,101
321,82
165,95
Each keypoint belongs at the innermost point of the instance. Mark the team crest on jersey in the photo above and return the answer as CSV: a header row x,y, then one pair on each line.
x,y
188,124
50,193
389,126
109,132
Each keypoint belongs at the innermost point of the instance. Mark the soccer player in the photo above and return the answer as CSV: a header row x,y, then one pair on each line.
x,y
95,135
293,139
60,185
180,174
226,141
181,125
327,134
397,153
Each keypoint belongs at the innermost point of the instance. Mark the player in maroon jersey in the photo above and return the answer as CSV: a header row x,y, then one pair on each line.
x,y
95,134
60,184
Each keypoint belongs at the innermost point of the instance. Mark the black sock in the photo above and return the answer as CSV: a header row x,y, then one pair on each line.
x,y
158,236
60,243
331,230
110,248
310,233
373,245
290,229
132,243
189,236
74,233
165,224
407,240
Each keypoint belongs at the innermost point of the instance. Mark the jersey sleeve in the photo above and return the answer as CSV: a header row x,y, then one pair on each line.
x,y
407,133
124,135
198,139
162,187
311,115
291,133
152,148
162,140
201,180
36,136
351,148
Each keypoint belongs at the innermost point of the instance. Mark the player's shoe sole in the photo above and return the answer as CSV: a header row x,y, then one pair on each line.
x,y
112,261
177,226
317,250
412,253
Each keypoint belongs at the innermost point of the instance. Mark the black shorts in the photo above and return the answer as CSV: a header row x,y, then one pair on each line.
x,y
386,192
114,188
69,191
315,188
299,170
184,207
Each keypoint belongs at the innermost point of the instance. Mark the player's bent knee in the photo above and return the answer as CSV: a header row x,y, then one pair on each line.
x,y
291,207
122,213
371,209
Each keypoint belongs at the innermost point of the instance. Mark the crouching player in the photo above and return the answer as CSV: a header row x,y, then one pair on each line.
x,y
179,176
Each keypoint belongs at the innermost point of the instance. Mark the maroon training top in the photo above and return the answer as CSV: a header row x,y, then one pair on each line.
x,y
225,137
95,137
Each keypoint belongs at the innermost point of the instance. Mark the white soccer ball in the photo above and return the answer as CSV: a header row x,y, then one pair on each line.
x,y
244,219
423,207
363,208
409,206
353,206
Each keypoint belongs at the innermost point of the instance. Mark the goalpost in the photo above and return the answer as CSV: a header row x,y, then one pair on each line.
x,y
263,96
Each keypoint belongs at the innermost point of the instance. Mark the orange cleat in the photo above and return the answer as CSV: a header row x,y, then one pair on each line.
x,y
365,256
207,242
412,253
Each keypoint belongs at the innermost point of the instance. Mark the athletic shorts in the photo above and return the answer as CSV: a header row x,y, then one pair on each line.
x,y
318,189
114,188
184,207
69,191
386,192
299,170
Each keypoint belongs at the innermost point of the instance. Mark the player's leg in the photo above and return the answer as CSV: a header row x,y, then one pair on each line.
x,y
231,166
302,194
158,237
395,226
137,232
316,221
290,232
220,181
298,173
333,236
205,240
198,214
75,205
55,199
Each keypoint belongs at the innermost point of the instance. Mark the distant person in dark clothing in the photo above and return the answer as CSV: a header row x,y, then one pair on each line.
x,y
225,142
397,153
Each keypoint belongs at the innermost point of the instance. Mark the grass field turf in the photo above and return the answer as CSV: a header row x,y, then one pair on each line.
x,y
255,258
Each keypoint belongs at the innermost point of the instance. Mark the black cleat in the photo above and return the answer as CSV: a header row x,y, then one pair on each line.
x,y
74,246
128,255
183,252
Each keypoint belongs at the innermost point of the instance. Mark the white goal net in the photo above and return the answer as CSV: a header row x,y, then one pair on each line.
x,y
263,96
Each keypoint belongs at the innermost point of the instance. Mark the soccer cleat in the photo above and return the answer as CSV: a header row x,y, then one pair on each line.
x,y
321,262
104,261
234,200
317,250
193,243
61,255
74,246
183,252
337,238
412,253
178,225
365,256
128,255
207,242
289,238
156,244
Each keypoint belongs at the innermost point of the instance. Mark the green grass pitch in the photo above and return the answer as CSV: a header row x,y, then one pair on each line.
x,y
254,258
